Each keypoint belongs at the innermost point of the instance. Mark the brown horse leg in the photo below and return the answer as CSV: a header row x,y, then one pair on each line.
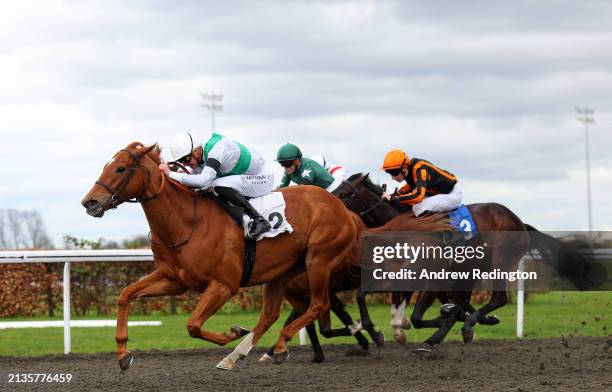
x,y
273,293
211,300
152,285
318,277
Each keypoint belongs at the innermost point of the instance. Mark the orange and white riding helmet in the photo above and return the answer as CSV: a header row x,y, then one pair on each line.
x,y
395,160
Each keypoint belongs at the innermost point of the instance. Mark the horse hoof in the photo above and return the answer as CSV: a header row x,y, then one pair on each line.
x,y
406,324
318,358
493,320
239,331
281,357
468,335
265,358
226,364
424,348
400,338
379,339
126,361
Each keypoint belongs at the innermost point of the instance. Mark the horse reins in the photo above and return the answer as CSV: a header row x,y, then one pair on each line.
x,y
114,200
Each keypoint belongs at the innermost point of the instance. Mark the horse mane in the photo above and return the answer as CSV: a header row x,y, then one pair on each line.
x,y
367,182
408,222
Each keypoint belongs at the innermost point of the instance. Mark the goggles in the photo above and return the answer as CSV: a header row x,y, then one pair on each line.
x,y
184,160
286,163
393,172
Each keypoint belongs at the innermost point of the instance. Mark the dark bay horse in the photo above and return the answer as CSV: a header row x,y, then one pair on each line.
x,y
197,246
360,194
347,276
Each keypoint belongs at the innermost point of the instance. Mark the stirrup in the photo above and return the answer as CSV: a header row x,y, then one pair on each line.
x,y
257,227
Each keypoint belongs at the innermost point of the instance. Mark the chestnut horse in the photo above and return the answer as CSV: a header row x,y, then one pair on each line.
x,y
197,246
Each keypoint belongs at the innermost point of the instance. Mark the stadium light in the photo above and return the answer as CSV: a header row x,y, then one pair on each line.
x,y
213,103
585,116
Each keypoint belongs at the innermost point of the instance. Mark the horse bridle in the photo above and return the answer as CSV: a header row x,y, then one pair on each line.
x,y
114,200
355,196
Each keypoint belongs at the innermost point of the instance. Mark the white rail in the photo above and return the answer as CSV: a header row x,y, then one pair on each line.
x,y
68,257
600,254
81,256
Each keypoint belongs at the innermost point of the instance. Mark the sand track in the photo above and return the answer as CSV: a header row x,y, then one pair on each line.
x,y
530,365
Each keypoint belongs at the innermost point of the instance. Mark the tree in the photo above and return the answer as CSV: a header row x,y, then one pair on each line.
x,y
36,230
3,243
15,227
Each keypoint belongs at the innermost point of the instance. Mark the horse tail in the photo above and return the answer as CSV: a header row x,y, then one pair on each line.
x,y
573,259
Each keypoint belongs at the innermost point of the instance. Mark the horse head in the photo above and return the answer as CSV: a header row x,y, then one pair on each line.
x,y
360,195
348,190
125,177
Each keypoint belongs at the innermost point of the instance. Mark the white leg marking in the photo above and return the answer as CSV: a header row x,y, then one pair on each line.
x,y
398,316
241,351
356,327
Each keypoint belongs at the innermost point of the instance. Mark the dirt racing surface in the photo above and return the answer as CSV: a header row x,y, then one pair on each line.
x,y
572,364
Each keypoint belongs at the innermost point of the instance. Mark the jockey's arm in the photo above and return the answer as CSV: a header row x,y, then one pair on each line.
x,y
202,180
284,182
417,194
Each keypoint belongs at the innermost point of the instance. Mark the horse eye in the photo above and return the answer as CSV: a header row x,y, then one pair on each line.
x,y
120,169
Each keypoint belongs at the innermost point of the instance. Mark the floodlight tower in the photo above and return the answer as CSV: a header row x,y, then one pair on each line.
x,y
585,116
213,103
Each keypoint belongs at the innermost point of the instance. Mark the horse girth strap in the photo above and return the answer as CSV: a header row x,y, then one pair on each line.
x,y
249,260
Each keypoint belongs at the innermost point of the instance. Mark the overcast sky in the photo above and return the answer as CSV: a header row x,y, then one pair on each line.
x,y
484,90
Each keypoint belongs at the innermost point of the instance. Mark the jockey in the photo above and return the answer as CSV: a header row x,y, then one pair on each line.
x,y
303,171
231,169
427,188
340,173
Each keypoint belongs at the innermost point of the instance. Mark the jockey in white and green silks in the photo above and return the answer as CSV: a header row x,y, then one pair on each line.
x,y
231,169
303,171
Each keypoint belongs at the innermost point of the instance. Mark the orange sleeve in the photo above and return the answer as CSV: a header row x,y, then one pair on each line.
x,y
417,194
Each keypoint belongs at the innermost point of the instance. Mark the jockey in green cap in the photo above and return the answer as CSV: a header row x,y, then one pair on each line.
x,y
303,171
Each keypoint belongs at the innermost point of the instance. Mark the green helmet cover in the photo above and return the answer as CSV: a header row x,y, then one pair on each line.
x,y
288,152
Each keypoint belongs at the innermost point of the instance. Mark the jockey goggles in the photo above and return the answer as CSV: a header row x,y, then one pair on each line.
x,y
286,163
184,160
393,172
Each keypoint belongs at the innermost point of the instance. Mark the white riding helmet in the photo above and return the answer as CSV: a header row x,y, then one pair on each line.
x,y
183,144
320,159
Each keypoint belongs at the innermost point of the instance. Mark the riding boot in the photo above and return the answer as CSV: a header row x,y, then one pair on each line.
x,y
258,224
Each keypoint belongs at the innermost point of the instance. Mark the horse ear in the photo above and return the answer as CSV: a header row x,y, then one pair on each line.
x,y
361,179
144,150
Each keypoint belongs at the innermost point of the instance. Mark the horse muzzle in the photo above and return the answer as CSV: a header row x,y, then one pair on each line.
x,y
94,207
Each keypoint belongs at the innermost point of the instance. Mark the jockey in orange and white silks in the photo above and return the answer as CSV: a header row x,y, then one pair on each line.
x,y
428,188
340,173
232,170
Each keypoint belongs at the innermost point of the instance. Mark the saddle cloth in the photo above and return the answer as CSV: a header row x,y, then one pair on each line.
x,y
271,207
462,219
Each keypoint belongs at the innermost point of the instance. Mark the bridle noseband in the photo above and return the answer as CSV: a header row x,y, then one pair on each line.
x,y
114,200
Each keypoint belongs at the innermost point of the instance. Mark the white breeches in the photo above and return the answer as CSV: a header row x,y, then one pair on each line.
x,y
441,202
250,185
